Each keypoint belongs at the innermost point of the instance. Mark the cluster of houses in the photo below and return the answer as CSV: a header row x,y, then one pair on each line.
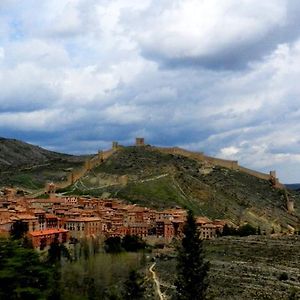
x,y
67,218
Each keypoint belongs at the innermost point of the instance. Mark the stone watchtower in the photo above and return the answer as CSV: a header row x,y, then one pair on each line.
x,y
289,203
50,189
139,141
273,179
100,155
115,145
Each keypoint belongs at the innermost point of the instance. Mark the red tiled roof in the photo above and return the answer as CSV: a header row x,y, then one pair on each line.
x,y
85,219
48,231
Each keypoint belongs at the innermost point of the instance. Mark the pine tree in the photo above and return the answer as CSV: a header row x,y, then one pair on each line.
x,y
191,282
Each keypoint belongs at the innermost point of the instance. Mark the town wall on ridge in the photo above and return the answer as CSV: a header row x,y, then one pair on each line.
x,y
230,164
91,163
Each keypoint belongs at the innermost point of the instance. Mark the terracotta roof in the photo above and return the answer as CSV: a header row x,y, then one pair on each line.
x,y
38,211
202,220
85,219
137,225
48,201
26,217
208,225
48,231
51,216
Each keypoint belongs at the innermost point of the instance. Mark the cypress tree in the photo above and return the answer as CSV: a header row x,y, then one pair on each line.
x,y
191,282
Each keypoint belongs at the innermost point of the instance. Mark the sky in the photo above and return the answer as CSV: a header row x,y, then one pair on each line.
x,y
220,77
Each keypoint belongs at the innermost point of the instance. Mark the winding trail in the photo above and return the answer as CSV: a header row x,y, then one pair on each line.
x,y
157,284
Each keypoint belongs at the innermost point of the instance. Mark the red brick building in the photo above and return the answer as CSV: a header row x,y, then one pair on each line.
x,y
43,238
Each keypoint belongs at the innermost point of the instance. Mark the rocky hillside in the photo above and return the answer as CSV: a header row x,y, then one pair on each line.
x,y
255,267
146,176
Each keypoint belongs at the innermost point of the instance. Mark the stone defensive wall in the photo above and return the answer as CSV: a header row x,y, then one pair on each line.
x,y
103,155
182,152
230,164
259,175
89,164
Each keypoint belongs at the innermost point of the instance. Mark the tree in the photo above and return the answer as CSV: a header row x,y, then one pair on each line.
x,y
113,245
246,230
191,282
22,274
133,243
55,254
134,289
18,230
228,231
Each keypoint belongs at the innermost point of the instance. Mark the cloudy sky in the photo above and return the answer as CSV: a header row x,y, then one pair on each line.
x,y
221,77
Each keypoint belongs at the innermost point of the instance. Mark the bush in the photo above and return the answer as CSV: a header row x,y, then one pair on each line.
x,y
283,276
243,230
246,230
113,245
133,243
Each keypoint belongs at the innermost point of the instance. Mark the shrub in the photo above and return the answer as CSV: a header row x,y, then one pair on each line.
x,y
283,276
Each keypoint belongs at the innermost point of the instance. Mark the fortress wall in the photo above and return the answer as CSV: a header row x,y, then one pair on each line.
x,y
254,173
230,164
108,153
97,159
89,164
183,152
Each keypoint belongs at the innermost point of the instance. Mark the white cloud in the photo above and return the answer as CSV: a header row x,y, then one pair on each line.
x,y
194,29
89,71
229,152
2,54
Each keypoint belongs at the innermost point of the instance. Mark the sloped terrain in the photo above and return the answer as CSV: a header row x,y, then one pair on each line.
x,y
30,167
254,267
162,180
148,177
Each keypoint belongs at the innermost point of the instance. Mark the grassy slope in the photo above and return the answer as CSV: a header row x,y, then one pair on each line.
x,y
162,180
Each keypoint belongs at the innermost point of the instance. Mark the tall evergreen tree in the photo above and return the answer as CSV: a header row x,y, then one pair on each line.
x,y
191,282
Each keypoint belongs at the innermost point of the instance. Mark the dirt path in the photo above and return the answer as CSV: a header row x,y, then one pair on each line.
x,y
157,284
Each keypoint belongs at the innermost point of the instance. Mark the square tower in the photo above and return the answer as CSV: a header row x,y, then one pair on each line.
x,y
139,141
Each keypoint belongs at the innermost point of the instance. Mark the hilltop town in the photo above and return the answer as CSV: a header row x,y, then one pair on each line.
x,y
56,210
144,191
73,218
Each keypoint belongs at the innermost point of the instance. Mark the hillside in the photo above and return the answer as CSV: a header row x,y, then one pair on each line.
x,y
146,176
149,177
27,166
255,267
